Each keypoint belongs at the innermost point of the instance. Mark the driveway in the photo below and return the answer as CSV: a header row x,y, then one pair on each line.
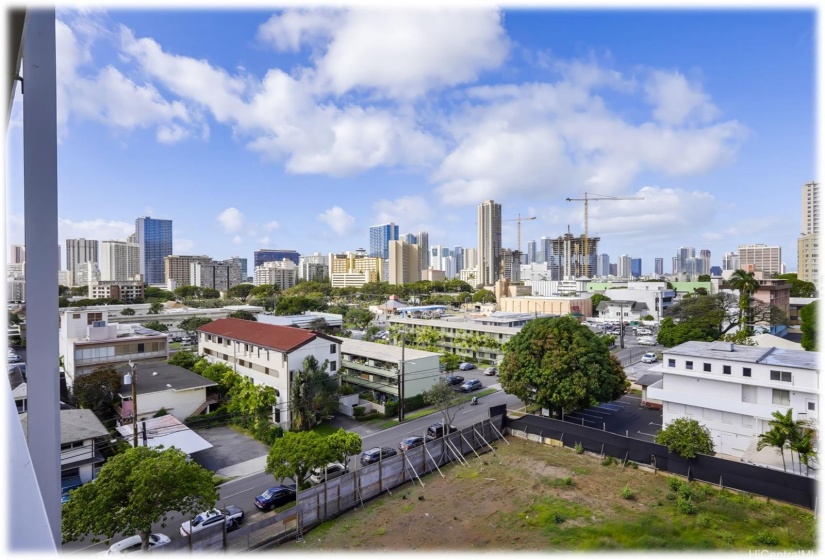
x,y
229,447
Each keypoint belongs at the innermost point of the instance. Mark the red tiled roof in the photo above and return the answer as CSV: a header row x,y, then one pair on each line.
x,y
285,339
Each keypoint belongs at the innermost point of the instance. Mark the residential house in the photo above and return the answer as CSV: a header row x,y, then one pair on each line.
x,y
622,310
268,354
166,431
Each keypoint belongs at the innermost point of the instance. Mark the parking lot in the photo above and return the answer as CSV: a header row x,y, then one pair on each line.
x,y
625,416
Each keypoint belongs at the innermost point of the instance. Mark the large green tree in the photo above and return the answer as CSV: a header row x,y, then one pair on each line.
x,y
136,489
343,445
96,391
240,291
192,324
483,296
128,311
156,326
596,299
184,359
296,454
799,288
810,336
313,394
296,305
245,315
265,291
686,437
359,317
561,365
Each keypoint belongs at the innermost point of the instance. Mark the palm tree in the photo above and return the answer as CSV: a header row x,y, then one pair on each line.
x,y
805,448
791,428
773,438
747,284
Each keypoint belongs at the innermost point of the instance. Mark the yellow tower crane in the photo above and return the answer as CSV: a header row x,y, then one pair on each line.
x,y
588,197
519,220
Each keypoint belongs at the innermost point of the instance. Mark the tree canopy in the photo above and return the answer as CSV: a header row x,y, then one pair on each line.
x,y
596,299
313,394
686,437
192,324
296,454
443,398
156,326
136,489
484,295
359,317
810,335
295,305
561,365
343,445
245,315
127,311
799,288
96,391
240,291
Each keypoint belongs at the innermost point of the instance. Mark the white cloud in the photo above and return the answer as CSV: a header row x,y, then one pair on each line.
x,y
271,225
296,28
171,134
338,219
675,100
182,246
231,219
411,211
264,241
99,228
237,240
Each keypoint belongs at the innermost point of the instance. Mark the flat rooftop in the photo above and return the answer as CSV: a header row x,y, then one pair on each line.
x,y
751,354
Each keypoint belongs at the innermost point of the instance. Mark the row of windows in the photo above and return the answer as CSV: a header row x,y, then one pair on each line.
x,y
708,368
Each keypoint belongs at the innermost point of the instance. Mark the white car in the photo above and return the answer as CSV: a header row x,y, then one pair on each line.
x,y
643,331
13,357
334,470
649,358
646,341
133,544
231,515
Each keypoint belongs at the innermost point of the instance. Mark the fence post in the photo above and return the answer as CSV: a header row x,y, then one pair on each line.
x,y
721,485
604,426
602,453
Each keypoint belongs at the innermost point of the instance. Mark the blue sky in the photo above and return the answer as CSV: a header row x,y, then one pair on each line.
x,y
299,129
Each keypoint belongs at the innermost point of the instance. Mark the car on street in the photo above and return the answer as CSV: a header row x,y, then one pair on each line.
x,y
643,330
454,380
491,371
333,470
466,366
649,358
231,516
437,430
410,443
13,356
134,544
275,496
646,341
470,385
376,454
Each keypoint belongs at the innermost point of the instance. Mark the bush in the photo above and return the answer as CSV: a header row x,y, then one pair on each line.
x,y
607,461
670,496
348,389
703,521
414,403
766,537
391,410
578,448
358,411
627,493
673,483
686,491
686,505
161,412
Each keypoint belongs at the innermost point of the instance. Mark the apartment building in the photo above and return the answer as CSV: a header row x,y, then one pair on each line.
x,y
550,305
733,390
154,237
267,354
179,268
355,262
125,291
489,242
119,261
80,251
352,279
88,341
404,262
808,242
313,267
761,257
377,368
217,275
283,274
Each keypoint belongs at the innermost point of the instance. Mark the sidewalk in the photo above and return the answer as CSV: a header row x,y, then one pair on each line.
x,y
247,468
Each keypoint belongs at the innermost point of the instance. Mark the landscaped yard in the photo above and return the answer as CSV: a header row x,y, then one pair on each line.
x,y
533,497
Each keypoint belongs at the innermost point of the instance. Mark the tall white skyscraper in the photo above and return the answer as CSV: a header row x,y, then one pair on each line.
x,y
660,266
404,263
313,267
730,261
423,242
807,245
119,261
603,265
80,251
470,257
489,242
624,270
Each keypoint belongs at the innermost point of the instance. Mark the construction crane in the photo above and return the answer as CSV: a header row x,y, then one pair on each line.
x,y
588,197
519,220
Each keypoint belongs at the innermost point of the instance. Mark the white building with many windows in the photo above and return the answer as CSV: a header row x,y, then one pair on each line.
x,y
733,389
267,354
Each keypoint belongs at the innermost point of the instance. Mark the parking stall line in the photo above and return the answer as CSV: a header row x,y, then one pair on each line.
x,y
654,424
590,413
646,434
601,406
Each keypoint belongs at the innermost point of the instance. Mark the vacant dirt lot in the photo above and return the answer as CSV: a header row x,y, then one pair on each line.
x,y
532,497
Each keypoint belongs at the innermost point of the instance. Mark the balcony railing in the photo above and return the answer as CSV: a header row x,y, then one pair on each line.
x,y
384,372
118,359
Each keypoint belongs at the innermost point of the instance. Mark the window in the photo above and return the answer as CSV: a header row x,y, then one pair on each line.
x,y
266,370
220,340
706,367
688,365
209,337
811,406
333,366
784,376
332,349
781,397
671,363
749,394
140,347
726,370
747,421
746,372
727,417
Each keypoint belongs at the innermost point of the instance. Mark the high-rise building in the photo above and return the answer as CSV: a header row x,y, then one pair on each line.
x,y
79,251
358,262
403,263
283,274
767,258
544,250
380,237
489,242
685,260
614,269
531,252
423,242
511,265
119,261
262,256
603,265
458,256
86,272
565,256
625,267
179,268
17,254
409,238
470,258
807,245
442,259
716,271
704,255
216,275
242,262
313,267
675,267
659,266
730,261
155,240
636,268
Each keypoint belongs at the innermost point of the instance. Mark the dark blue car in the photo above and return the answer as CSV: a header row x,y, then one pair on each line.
x,y
275,496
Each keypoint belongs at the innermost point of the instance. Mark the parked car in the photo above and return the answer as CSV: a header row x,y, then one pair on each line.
x,y
646,341
134,544
230,515
376,454
649,358
466,366
643,330
13,357
410,443
491,371
177,339
470,385
454,379
275,496
437,430
333,470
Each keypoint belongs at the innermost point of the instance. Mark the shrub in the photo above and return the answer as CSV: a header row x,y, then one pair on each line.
x,y
703,521
686,491
347,389
670,496
568,481
686,505
627,493
607,461
766,537
391,410
557,519
358,411
633,465
673,483
578,448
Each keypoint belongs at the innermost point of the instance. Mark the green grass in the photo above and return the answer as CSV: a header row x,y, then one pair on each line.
x,y
324,429
174,345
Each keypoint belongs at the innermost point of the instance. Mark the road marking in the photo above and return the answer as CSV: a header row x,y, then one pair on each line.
x,y
632,397
592,413
654,424
600,406
236,493
646,434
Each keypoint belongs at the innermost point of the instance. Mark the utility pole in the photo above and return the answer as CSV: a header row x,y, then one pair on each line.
x,y
133,382
401,381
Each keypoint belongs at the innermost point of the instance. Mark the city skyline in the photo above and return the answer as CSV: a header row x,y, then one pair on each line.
x,y
681,117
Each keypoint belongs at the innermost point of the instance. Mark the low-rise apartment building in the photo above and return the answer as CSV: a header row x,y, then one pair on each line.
x,y
549,305
733,390
115,289
267,354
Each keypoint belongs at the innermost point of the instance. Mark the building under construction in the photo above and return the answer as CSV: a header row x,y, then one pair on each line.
x,y
567,261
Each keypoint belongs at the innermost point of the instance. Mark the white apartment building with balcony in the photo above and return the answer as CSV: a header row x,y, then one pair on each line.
x,y
733,389
283,274
267,354
88,341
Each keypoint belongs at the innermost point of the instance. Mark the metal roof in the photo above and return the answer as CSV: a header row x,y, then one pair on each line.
x,y
76,424
749,354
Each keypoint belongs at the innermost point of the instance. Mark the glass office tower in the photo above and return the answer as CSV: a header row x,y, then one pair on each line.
x,y
155,240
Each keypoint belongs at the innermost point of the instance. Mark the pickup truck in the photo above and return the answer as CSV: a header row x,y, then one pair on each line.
x,y
230,515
